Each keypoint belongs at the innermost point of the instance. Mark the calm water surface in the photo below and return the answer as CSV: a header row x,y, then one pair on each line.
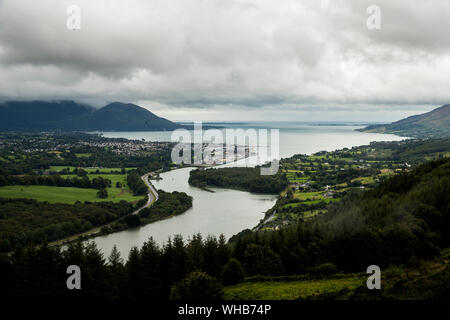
x,y
229,211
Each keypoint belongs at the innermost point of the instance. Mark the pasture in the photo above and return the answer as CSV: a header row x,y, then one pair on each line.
x,y
65,194
290,290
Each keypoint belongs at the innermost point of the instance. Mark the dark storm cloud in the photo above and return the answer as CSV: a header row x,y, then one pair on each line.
x,y
208,54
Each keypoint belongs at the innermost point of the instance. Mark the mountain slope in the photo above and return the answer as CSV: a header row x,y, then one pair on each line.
x,y
71,116
40,115
433,124
128,117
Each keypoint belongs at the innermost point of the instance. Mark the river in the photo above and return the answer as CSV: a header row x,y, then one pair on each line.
x,y
224,211
228,211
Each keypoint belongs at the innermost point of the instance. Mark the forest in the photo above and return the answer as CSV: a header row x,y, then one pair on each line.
x,y
29,222
401,222
55,180
168,205
248,179
136,184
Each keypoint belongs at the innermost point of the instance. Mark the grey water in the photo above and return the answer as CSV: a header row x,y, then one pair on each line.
x,y
229,211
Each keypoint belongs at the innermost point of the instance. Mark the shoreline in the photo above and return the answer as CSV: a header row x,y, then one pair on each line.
x,y
97,231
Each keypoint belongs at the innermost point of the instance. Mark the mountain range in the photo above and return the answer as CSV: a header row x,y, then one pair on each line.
x,y
72,116
433,124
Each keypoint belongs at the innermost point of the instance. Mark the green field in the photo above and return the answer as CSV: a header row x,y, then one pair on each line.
x,y
364,180
89,170
65,194
328,200
122,178
71,195
82,155
290,290
308,195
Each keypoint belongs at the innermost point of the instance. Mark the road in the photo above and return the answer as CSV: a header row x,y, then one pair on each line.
x,y
152,197
152,194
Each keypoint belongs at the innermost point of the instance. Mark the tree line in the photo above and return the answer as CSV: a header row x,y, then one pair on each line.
x,y
55,180
404,219
168,204
249,179
136,184
29,222
151,272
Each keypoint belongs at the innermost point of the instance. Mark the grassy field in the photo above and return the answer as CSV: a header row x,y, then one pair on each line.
x,y
65,194
89,170
364,180
71,195
290,290
82,155
122,178
308,195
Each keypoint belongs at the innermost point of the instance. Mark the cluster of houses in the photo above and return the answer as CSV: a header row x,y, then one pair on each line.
x,y
127,147
301,186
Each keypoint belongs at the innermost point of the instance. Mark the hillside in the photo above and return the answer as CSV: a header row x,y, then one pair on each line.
x,y
433,124
423,280
403,219
72,116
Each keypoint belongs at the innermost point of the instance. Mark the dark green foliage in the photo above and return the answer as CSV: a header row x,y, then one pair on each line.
x,y
232,273
132,220
25,221
249,179
149,273
433,124
81,172
325,269
406,216
198,286
261,260
403,221
136,184
144,269
102,194
118,281
56,180
167,205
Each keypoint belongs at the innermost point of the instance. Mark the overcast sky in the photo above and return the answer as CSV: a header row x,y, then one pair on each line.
x,y
232,59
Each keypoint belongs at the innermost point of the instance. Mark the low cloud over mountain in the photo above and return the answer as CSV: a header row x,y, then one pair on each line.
x,y
209,57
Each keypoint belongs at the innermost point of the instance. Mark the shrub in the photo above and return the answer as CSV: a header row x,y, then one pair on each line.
x,y
198,286
232,273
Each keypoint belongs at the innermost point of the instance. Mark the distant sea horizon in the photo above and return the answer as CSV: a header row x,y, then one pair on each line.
x,y
294,137
284,123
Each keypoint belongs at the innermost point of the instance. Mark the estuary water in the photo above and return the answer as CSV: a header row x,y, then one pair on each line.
x,y
229,211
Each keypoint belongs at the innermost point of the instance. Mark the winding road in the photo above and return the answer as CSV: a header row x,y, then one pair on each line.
x,y
152,197
152,194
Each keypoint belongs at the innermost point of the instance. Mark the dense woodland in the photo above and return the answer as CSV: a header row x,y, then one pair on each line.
x,y
56,180
168,205
136,184
249,179
26,221
404,219
401,221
